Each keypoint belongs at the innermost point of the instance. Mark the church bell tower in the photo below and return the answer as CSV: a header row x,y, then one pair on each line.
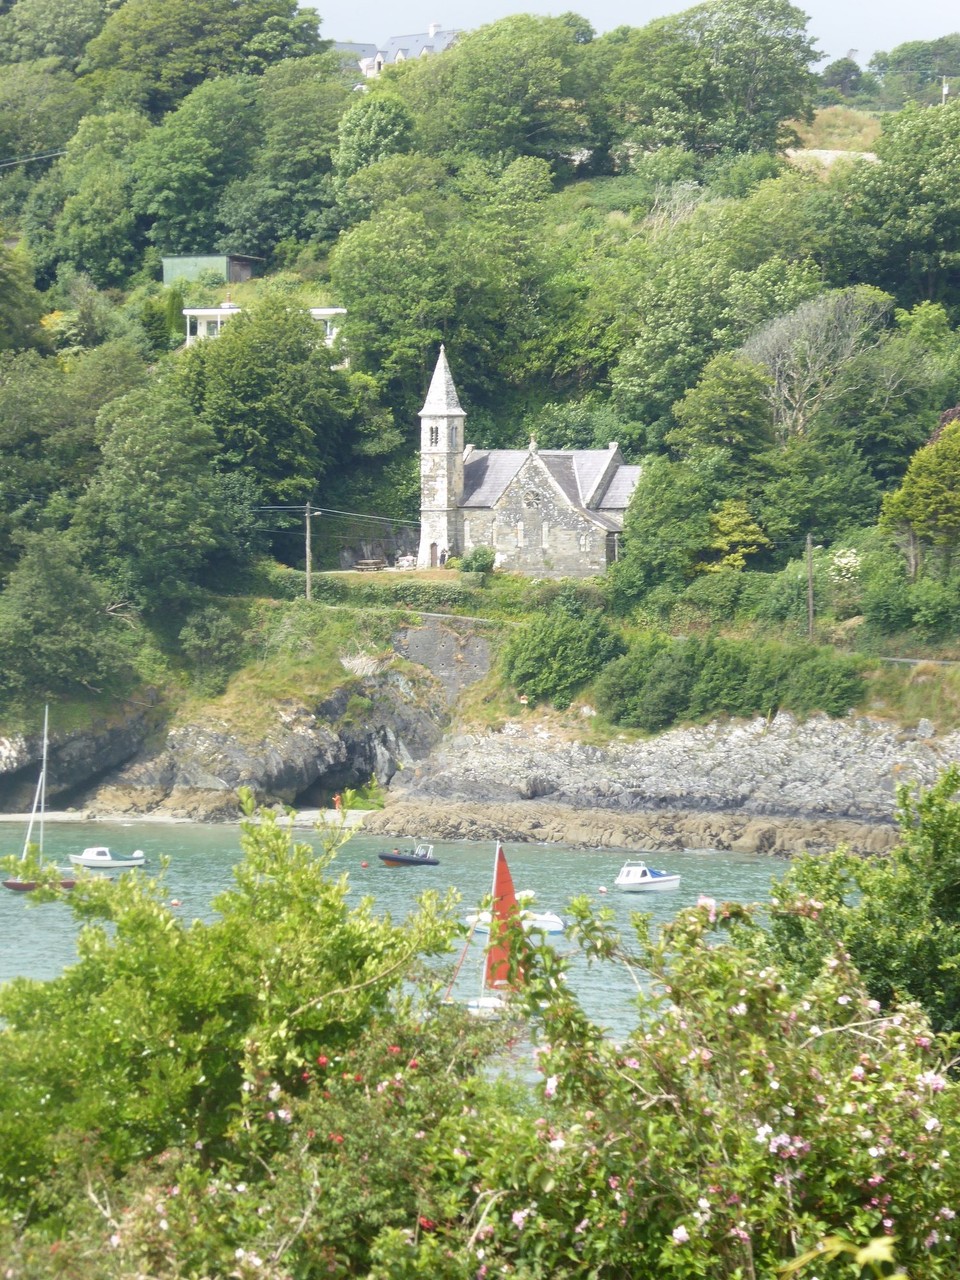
x,y
441,467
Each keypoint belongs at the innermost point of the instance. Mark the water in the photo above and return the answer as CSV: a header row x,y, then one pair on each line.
x,y
39,940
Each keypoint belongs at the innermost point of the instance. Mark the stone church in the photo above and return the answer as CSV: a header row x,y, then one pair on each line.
x,y
549,513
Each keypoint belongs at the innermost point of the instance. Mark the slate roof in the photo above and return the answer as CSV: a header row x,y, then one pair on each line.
x,y
620,489
488,472
413,46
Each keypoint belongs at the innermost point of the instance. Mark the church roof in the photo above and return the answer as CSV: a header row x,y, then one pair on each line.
x,y
442,400
487,473
620,489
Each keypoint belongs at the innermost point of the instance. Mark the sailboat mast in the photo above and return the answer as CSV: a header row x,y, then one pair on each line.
x,y
43,771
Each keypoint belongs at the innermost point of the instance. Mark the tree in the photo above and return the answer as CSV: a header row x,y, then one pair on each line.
x,y
20,305
152,53
727,409
266,390
48,446
151,517
56,634
804,351
287,193
723,76
34,29
374,128
182,167
843,74
92,225
41,105
508,89
927,504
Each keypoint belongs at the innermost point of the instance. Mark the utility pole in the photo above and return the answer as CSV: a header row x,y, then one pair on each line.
x,y
809,587
308,552
943,92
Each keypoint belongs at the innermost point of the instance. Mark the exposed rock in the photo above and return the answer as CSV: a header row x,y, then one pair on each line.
x,y
370,728
530,821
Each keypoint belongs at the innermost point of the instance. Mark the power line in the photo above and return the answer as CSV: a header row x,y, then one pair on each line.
x,y
332,511
45,155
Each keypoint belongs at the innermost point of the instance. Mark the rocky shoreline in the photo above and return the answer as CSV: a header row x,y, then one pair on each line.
x,y
532,821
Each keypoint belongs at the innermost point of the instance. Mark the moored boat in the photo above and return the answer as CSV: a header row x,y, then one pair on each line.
x,y
19,884
637,877
100,857
421,856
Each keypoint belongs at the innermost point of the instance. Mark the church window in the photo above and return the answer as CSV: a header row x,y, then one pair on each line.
x,y
434,433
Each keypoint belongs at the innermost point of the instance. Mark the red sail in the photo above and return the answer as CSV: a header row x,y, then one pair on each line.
x,y
504,919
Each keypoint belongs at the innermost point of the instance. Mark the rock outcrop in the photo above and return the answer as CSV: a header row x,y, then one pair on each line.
x,y
367,729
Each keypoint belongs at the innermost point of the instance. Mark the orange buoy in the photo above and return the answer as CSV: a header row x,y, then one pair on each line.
x,y
174,902
602,889
364,863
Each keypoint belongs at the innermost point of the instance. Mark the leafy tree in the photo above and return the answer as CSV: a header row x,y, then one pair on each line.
x,y
34,29
266,389
734,535
914,71
40,107
727,409
667,525
212,642
150,519
182,167
904,213
374,128
508,89
91,225
20,305
287,193
928,501
152,53
56,634
556,653
48,445
723,76
898,917
814,491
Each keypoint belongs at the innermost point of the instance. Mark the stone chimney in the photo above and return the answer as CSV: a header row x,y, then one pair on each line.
x,y
433,28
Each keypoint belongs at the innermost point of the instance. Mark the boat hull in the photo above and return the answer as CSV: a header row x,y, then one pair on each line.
x,y
104,864
28,886
398,858
659,885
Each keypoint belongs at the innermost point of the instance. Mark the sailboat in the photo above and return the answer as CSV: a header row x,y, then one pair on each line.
x,y
39,804
505,910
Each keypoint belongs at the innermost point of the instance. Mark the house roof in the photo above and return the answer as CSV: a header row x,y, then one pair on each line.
x,y
413,46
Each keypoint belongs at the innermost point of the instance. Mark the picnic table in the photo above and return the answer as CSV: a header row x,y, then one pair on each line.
x,y
370,566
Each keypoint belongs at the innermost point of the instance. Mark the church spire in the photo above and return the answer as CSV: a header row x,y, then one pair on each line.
x,y
442,401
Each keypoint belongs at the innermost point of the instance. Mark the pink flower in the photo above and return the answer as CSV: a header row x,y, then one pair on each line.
x,y
393,1048
321,1061
711,906
550,1088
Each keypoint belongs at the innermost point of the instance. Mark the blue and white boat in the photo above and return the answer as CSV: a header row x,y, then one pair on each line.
x,y
637,877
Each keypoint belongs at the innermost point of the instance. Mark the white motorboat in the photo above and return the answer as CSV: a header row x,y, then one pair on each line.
x,y
637,877
531,919
99,856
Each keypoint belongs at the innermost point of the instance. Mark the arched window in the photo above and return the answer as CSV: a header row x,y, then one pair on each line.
x,y
434,434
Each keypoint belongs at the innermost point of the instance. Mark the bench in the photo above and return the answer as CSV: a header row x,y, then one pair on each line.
x,y
370,566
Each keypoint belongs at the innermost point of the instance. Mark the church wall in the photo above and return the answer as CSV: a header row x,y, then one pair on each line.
x,y
535,531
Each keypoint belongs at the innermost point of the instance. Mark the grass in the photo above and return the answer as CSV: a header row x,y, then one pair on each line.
x,y
910,694
839,129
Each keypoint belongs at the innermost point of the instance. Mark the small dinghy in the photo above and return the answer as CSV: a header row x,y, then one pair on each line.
x,y
421,856
637,877
99,856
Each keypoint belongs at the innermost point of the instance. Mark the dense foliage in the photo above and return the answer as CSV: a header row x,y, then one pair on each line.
x,y
604,231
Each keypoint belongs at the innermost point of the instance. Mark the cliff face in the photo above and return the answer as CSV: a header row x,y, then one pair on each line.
x,y
769,786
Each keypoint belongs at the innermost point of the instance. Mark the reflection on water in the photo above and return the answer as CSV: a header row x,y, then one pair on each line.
x,y
38,940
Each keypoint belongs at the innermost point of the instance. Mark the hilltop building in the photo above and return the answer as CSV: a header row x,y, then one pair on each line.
x,y
549,513
372,58
208,322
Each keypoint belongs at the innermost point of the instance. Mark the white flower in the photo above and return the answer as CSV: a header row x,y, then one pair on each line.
x,y
932,1124
115,1241
843,999
557,1144
274,1092
550,1088
680,1234
763,1133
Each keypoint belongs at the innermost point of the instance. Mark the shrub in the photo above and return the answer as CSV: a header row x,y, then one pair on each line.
x,y
556,654
479,560
212,643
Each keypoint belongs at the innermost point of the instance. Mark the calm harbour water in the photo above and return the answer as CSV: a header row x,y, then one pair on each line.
x,y
38,940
